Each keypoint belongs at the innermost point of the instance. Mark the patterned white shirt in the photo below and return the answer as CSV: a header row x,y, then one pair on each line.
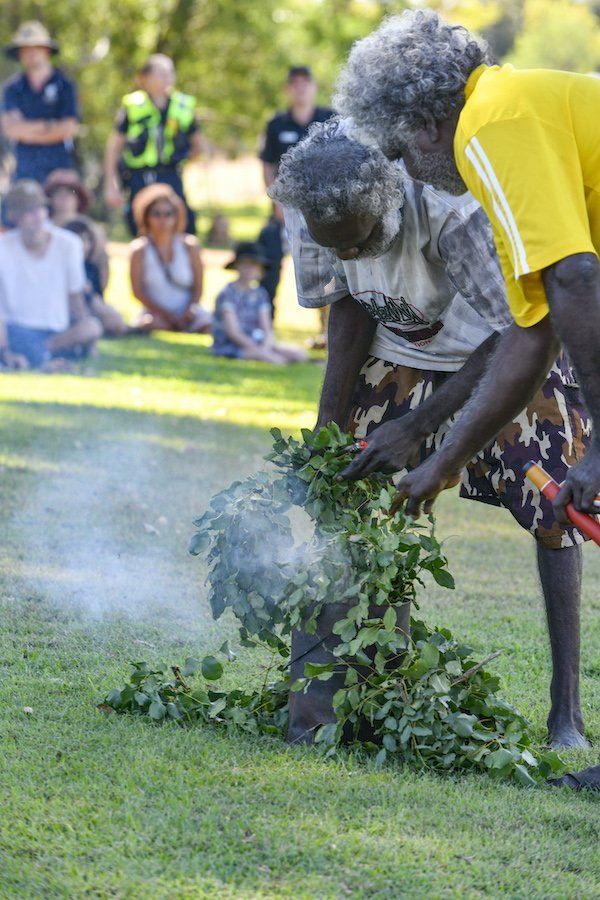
x,y
436,294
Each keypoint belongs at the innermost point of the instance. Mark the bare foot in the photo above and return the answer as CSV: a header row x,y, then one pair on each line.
x,y
57,364
567,737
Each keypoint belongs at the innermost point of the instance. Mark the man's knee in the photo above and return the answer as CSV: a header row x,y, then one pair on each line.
x,y
89,330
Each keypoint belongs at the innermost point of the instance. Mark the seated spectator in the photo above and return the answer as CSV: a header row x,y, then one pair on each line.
x,y
42,283
69,198
243,327
166,265
67,194
111,319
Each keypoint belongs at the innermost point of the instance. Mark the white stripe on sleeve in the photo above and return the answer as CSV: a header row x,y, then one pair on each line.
x,y
508,219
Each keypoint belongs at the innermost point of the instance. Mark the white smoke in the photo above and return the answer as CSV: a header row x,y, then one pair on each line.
x,y
106,530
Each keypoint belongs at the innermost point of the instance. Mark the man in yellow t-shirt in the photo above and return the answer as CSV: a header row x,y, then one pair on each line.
x,y
526,144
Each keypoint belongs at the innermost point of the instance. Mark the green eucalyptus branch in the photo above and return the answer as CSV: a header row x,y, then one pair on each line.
x,y
425,699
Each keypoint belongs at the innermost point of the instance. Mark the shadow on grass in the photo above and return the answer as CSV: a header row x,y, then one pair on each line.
x,y
79,431
188,358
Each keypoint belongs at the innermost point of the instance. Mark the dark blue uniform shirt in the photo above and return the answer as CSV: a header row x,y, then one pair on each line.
x,y
57,99
283,132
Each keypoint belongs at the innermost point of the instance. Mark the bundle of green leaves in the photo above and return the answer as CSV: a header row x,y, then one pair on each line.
x,y
424,699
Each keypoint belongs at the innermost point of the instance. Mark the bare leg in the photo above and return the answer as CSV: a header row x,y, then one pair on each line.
x,y
201,320
148,322
560,575
111,319
313,708
82,333
264,354
290,353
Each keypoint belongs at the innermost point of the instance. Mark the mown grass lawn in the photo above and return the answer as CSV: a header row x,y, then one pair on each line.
x,y
101,474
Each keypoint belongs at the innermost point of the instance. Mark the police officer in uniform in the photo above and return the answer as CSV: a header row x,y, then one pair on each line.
x,y
155,130
284,130
288,127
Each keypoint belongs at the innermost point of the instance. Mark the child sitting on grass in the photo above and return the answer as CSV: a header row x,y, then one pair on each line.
x,y
242,327
112,320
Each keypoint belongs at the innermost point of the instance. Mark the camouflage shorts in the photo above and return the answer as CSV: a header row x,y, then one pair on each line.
x,y
554,430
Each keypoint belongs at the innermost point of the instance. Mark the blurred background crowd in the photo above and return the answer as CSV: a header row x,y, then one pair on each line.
x,y
158,126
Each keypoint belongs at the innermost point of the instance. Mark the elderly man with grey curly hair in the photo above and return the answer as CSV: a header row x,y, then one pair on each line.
x,y
526,144
417,305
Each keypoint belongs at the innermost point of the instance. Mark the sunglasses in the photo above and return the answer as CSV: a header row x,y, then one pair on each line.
x,y
162,213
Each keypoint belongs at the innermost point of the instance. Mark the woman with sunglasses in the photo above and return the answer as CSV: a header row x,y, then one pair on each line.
x,y
166,265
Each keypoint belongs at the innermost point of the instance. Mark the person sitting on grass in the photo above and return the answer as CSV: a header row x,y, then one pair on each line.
x,y
67,195
42,284
111,319
166,265
243,327
69,198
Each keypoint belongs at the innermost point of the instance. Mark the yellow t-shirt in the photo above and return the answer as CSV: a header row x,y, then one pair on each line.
x,y
528,148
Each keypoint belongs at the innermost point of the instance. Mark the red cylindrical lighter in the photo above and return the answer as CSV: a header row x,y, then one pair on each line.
x,y
549,488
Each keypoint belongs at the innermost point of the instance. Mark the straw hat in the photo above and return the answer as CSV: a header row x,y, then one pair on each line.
x,y
30,34
147,196
24,196
68,178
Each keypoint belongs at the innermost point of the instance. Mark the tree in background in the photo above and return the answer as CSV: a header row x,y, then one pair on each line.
x,y
554,34
558,34
233,54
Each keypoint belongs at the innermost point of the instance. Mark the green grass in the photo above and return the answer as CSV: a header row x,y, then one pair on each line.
x,y
114,807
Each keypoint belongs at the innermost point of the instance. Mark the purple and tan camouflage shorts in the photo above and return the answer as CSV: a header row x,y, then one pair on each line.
x,y
553,430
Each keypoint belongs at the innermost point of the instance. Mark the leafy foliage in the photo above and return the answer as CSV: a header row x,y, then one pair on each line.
x,y
421,698
162,696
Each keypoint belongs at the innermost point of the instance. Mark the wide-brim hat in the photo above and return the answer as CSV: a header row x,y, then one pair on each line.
x,y
249,250
68,178
30,34
143,200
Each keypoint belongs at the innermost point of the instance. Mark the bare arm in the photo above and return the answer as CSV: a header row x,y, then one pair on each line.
x,y
392,445
265,323
519,366
234,332
38,131
112,154
197,145
77,306
7,357
573,291
193,248
350,333
269,173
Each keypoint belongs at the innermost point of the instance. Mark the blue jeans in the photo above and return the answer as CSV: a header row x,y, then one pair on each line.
x,y
30,343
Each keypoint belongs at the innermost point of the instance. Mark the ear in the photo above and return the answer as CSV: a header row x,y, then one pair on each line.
x,y
429,137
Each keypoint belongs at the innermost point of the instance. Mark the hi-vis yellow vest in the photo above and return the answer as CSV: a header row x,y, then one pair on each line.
x,y
147,144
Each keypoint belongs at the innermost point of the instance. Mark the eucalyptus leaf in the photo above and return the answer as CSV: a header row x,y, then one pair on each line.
x,y
407,693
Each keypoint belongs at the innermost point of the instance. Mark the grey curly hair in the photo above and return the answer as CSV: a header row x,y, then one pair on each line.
x,y
412,67
329,174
